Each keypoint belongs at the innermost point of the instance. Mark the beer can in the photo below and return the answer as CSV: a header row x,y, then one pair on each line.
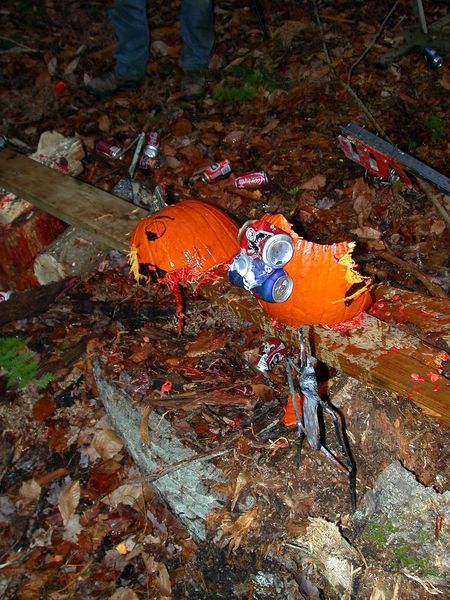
x,y
4,296
432,58
251,180
276,288
147,163
3,141
274,352
152,144
252,270
215,171
107,149
264,240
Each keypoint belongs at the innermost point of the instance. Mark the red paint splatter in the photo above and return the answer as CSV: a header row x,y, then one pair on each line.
x,y
395,297
417,377
395,349
60,86
433,376
347,325
437,388
166,387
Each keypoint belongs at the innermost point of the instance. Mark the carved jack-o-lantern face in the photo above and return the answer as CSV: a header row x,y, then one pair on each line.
x,y
189,235
327,290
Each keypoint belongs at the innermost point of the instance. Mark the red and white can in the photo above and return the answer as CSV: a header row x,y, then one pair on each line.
x,y
107,149
263,240
216,170
274,352
147,163
252,180
152,144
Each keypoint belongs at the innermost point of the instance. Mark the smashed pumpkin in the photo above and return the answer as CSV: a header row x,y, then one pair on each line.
x,y
190,236
327,289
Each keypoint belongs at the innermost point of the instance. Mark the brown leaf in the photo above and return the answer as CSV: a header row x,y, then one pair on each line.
x,y
263,391
445,80
163,580
68,500
124,594
107,443
207,341
315,183
104,124
181,127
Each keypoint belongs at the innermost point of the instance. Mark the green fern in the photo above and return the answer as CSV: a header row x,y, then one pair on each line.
x,y
20,363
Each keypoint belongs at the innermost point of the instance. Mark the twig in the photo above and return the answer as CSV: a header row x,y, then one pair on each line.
x,y
426,189
427,585
23,46
179,464
345,85
434,289
372,43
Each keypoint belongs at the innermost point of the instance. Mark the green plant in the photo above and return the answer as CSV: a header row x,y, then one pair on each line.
x,y
242,83
436,126
20,363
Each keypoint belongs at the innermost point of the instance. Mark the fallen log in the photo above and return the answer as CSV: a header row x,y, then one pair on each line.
x,y
372,350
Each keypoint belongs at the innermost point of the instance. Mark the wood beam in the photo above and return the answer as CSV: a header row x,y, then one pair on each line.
x,y
376,351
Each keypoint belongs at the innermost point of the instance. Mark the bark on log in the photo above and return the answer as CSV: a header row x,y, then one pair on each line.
x,y
186,490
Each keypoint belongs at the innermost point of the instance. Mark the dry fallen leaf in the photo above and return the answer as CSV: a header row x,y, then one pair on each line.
x,y
315,183
107,443
127,493
124,594
30,491
68,500
104,123
163,580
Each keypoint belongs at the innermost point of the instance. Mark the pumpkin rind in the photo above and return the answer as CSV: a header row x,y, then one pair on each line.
x,y
323,276
190,234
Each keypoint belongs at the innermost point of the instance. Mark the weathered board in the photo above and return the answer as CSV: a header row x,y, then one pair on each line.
x,y
373,351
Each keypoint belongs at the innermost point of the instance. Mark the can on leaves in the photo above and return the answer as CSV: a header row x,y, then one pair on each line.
x,y
4,296
263,240
148,163
252,180
107,149
3,141
152,144
215,171
274,352
432,58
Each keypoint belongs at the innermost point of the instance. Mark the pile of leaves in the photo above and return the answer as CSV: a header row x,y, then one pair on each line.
x,y
77,520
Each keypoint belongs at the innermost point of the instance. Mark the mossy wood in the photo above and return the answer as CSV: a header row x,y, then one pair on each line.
x,y
377,352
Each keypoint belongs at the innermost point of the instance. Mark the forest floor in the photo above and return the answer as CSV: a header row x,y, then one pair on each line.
x,y
71,527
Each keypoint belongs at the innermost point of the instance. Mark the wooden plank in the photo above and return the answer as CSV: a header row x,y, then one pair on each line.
x,y
373,351
104,217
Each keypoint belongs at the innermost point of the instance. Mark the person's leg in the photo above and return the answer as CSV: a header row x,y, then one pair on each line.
x,y
129,20
197,31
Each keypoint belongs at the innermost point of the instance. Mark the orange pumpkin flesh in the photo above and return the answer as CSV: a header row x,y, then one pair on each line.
x,y
324,280
189,235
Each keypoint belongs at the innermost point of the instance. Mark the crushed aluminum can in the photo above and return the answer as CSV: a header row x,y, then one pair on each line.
x,y
274,352
4,296
432,58
215,171
251,180
148,163
152,144
252,270
3,141
276,287
263,240
107,149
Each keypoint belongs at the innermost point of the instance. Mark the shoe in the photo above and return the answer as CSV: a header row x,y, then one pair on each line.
x,y
109,83
193,85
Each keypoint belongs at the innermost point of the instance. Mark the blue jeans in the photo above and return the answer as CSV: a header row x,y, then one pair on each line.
x,y
130,23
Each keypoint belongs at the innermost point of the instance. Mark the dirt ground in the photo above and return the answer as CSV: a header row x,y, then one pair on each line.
x,y
70,529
